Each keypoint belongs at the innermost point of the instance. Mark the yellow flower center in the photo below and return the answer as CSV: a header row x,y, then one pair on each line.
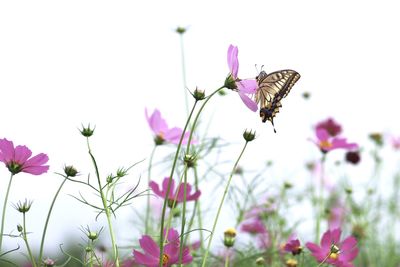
x,y
334,256
325,144
165,259
291,263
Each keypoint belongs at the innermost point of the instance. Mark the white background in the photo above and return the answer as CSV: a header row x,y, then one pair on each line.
x,y
63,63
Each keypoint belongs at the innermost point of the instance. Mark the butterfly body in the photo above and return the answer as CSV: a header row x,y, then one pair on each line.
x,y
272,88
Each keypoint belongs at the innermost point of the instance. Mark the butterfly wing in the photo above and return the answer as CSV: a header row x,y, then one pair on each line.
x,y
272,88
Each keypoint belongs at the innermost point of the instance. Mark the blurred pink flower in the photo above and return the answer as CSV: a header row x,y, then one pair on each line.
x,y
253,226
19,159
243,87
150,257
327,143
163,192
162,133
293,246
336,216
331,126
395,142
333,251
263,240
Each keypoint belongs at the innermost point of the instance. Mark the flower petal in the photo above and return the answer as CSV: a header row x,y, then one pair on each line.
x,y
156,122
6,150
322,134
21,154
171,194
145,259
247,86
248,102
233,62
156,189
149,246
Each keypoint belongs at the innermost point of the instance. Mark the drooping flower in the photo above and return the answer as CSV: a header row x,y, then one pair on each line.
x,y
243,87
327,143
293,246
172,192
161,130
253,226
150,257
333,251
331,126
19,159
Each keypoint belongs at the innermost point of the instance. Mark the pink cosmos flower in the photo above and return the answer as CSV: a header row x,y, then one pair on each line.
x,y
180,190
333,251
327,143
336,216
331,126
243,87
254,226
396,143
150,257
162,133
293,246
19,159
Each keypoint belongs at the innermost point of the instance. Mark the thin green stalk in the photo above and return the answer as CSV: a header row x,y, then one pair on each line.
x,y
227,258
320,200
3,216
146,229
106,208
162,238
221,203
48,217
183,223
26,241
184,74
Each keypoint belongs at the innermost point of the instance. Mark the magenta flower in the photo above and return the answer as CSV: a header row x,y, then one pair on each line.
x,y
150,257
293,246
243,87
331,126
254,226
19,159
162,133
180,191
333,251
336,216
327,143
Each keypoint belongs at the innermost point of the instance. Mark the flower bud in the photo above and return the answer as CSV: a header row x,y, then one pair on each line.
x,y
190,160
180,30
87,131
70,171
92,235
229,237
199,94
260,261
376,138
48,262
20,228
23,207
291,263
249,135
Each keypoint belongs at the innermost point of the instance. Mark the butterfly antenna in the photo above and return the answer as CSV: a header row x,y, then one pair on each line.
x,y
272,122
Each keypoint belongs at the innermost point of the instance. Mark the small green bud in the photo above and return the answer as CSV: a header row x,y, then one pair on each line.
x,y
249,135
23,207
260,261
92,235
180,30
121,172
159,140
230,82
87,131
70,171
348,190
109,178
88,249
20,228
377,138
199,94
229,237
287,185
222,92
190,160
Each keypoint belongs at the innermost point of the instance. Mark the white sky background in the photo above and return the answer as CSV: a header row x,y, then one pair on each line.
x,y
72,62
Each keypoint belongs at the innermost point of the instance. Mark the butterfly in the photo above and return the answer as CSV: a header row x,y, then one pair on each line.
x,y
272,88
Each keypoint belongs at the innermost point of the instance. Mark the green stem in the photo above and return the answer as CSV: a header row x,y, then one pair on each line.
x,y
227,259
26,241
184,74
4,211
220,204
320,201
183,223
162,238
106,208
48,217
146,230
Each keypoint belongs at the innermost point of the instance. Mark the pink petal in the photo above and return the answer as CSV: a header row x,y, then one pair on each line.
x,y
156,122
36,170
156,189
349,243
37,160
316,251
248,102
173,235
195,196
233,62
326,240
149,246
21,154
173,135
336,236
342,143
322,134
6,150
247,86
172,250
186,257
165,187
349,255
145,259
